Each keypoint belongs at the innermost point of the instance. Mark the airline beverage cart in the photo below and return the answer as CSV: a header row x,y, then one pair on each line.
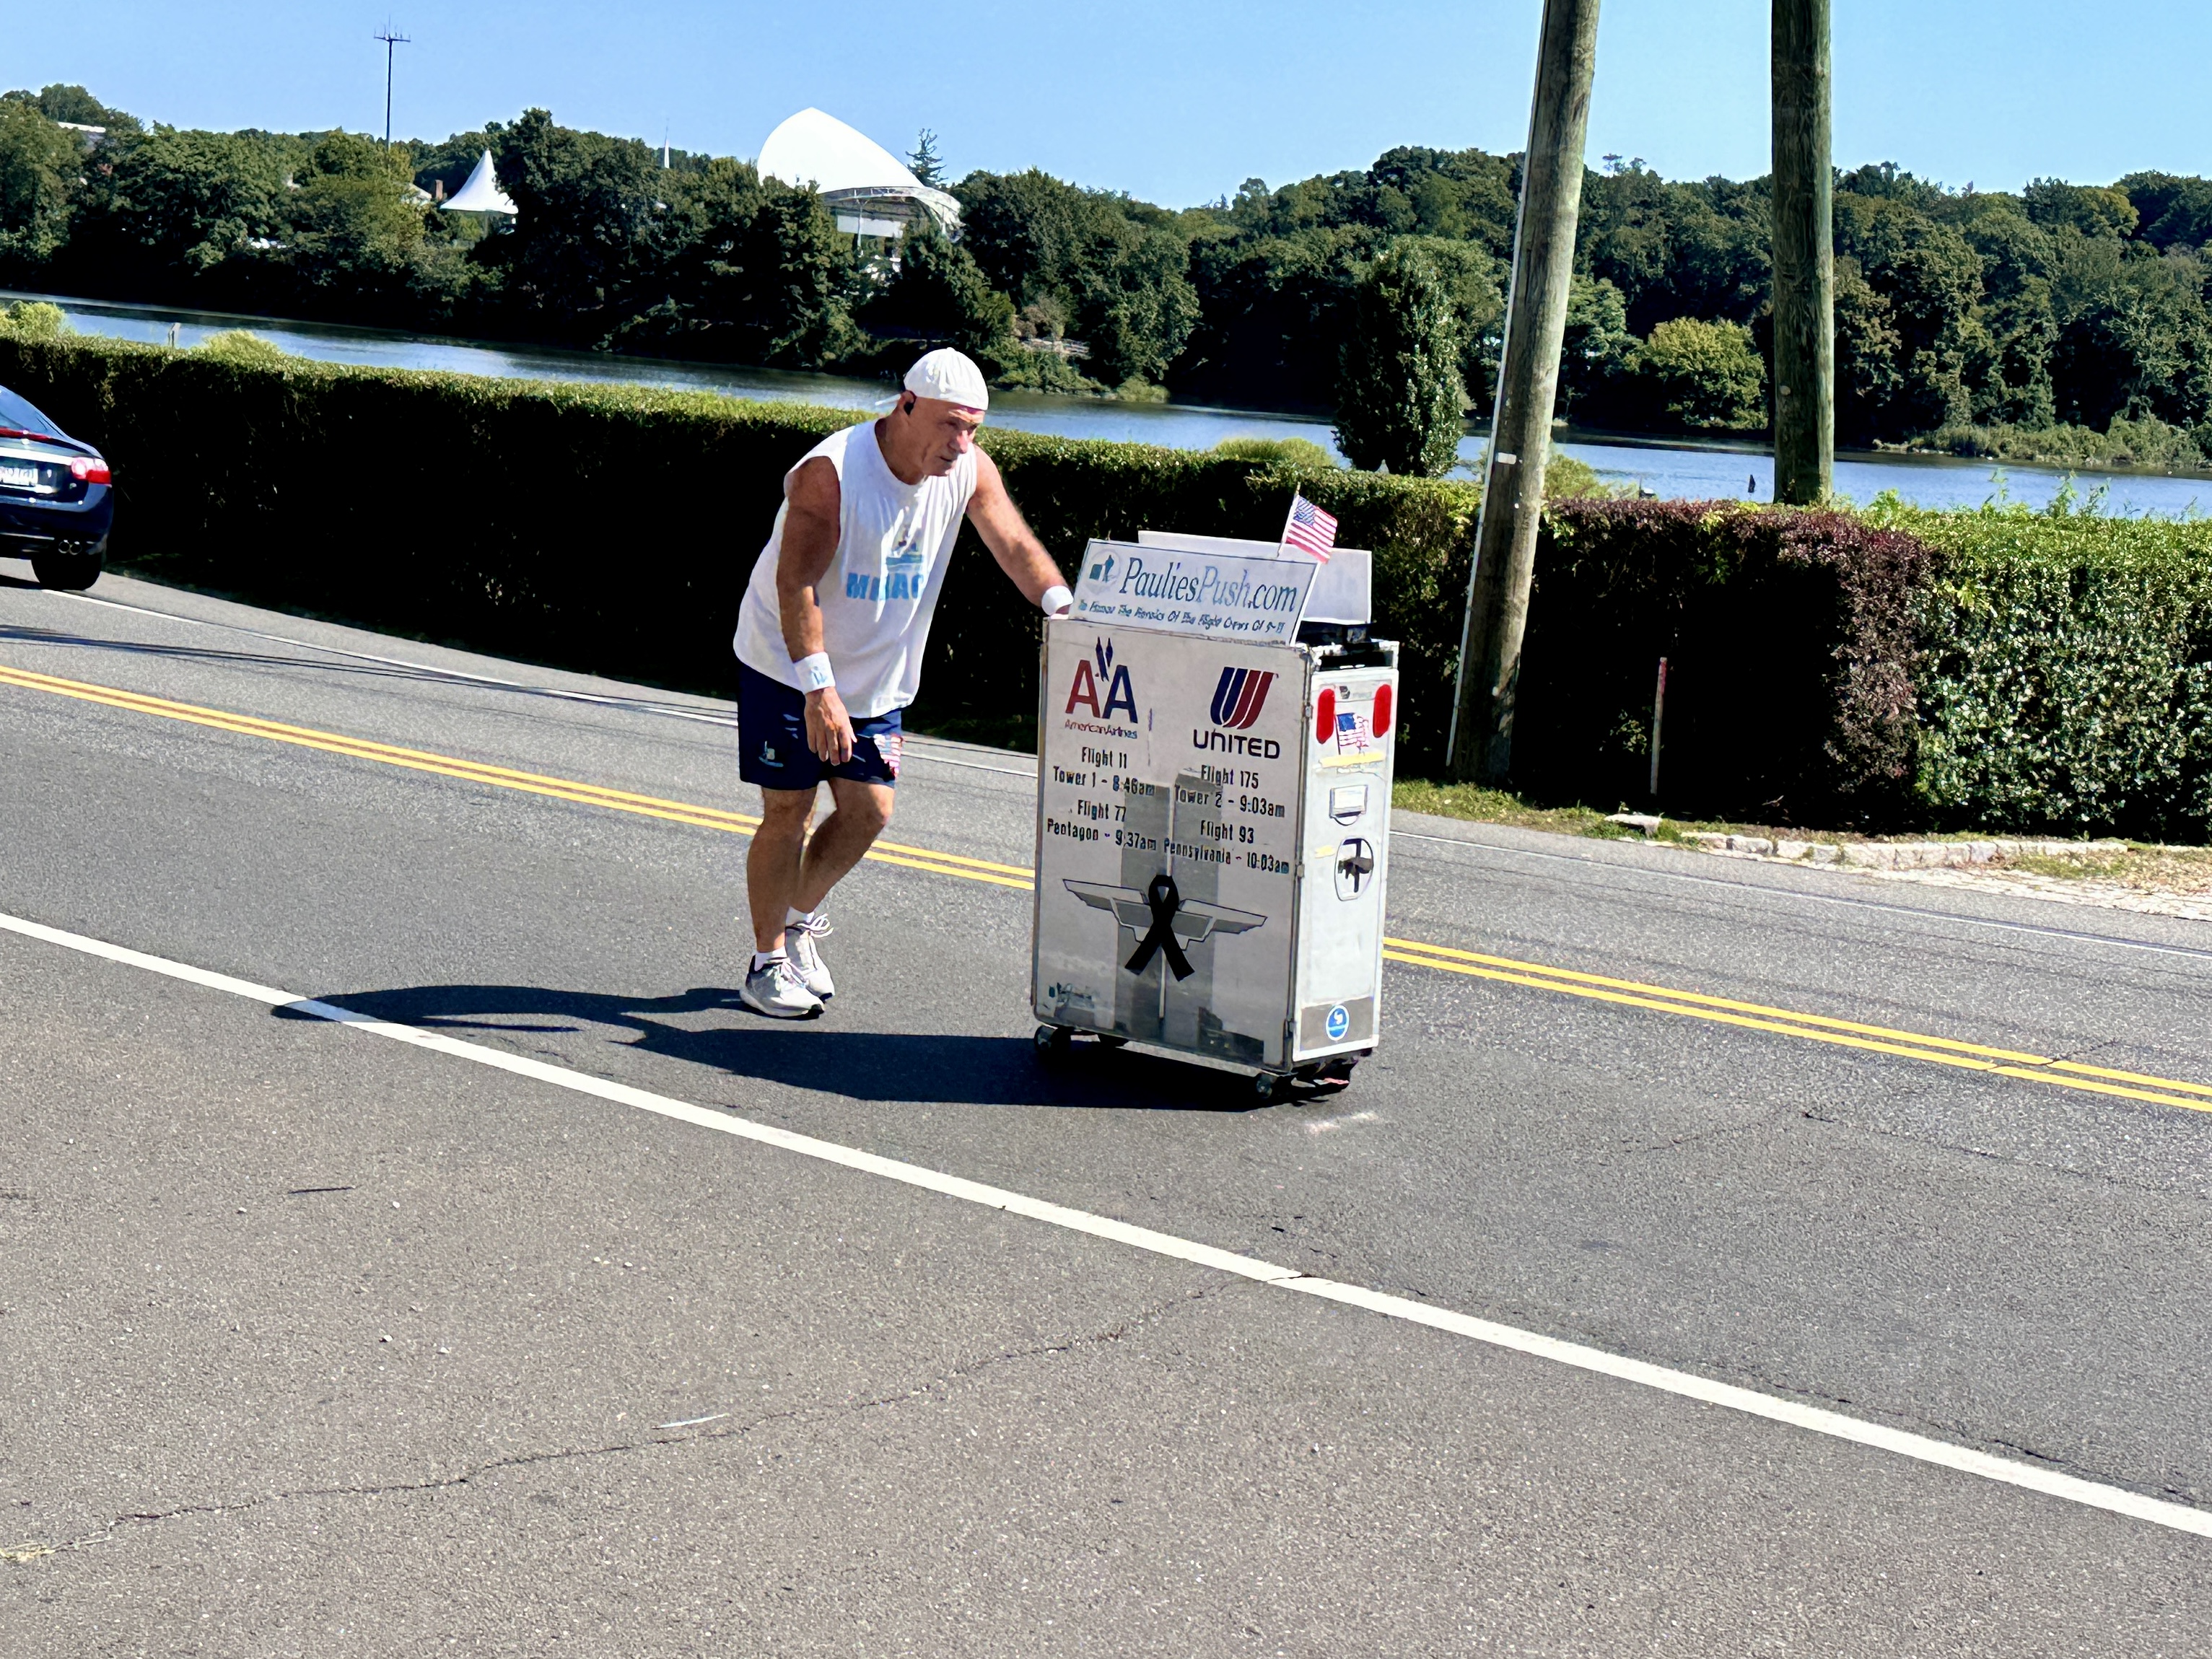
x,y
1215,740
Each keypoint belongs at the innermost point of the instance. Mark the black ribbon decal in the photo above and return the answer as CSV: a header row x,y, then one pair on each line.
x,y
1164,901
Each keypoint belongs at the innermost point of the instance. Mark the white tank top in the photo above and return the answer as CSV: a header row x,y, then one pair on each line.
x,y
894,541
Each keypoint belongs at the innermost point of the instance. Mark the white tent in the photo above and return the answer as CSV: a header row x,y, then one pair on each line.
x,y
870,190
482,194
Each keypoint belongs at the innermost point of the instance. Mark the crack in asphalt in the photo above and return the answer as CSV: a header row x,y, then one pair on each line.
x,y
1837,1118
1113,1334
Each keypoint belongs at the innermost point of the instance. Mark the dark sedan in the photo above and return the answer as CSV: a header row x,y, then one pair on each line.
x,y
56,498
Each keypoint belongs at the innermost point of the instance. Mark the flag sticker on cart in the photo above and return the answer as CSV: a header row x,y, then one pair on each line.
x,y
1354,736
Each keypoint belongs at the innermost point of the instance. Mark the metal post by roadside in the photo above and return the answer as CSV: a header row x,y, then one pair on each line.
x,y
1658,719
1480,747
1804,257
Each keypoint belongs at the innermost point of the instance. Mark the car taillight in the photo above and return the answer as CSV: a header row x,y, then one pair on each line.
x,y
85,470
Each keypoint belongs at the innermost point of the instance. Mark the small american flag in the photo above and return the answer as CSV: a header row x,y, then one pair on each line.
x,y
1310,530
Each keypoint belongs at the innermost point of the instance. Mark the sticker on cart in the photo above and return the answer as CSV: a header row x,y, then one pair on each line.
x,y
1338,1023
1355,868
1215,595
1348,802
1163,919
1354,734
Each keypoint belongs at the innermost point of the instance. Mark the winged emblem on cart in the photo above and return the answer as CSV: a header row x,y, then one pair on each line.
x,y
1194,921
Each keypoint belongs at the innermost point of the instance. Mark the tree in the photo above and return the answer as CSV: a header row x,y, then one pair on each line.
x,y
587,228
1474,279
1116,270
2172,211
1273,313
1597,350
2092,210
1931,281
165,210
1132,300
352,223
2134,336
1870,370
756,271
940,295
39,163
1705,376
927,164
2011,382
1676,250
1398,396
74,104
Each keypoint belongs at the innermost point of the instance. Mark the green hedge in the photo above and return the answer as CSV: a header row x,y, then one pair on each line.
x,y
1994,669
611,529
2064,673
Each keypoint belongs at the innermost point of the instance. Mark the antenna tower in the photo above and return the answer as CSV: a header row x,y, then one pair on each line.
x,y
390,42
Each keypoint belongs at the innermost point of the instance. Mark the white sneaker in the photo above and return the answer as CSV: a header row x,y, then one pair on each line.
x,y
775,989
806,956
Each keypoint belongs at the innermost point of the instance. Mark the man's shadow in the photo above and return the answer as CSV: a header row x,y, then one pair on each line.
x,y
824,1055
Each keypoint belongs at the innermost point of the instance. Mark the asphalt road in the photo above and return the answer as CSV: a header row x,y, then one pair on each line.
x,y
319,1344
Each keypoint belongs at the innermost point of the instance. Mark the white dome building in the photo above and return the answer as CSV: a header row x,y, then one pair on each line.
x,y
870,190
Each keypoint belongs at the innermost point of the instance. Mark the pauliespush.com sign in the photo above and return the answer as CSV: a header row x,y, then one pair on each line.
x,y
1258,600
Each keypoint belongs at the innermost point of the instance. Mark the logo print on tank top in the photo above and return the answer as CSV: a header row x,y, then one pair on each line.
x,y
904,572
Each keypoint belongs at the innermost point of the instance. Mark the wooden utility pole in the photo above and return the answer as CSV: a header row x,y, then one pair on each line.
x,y
1480,747
1804,257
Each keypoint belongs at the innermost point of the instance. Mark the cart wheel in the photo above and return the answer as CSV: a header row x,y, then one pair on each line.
x,y
1268,1085
1053,1041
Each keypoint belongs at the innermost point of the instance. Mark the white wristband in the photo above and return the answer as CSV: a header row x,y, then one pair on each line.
x,y
814,673
1055,600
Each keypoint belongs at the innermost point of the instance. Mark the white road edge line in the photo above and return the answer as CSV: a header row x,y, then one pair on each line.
x,y
1683,1384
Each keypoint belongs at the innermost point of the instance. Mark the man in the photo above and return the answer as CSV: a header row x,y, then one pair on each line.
x,y
829,643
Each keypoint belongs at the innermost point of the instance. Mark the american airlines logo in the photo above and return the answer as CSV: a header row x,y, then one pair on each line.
x,y
1106,690
1239,698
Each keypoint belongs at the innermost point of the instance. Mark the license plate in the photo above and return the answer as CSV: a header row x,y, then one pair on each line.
x,y
18,478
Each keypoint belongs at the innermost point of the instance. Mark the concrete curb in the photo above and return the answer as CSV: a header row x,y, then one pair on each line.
x,y
1894,855
1868,854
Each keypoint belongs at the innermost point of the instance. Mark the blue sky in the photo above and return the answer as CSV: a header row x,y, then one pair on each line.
x,y
1175,101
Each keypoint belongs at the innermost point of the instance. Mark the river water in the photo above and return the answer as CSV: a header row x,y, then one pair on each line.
x,y
1694,471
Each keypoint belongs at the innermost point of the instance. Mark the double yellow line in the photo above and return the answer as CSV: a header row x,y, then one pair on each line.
x,y
1816,1028
621,800
1413,953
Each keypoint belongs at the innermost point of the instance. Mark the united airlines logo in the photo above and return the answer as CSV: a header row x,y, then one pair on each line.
x,y
1237,701
1239,698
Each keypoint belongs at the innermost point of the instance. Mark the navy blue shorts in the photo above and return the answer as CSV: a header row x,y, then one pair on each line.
x,y
771,750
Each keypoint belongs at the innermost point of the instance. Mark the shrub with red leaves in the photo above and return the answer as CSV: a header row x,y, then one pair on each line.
x,y
1789,639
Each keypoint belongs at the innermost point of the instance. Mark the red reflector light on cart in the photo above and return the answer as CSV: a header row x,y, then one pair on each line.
x,y
85,470
1382,710
1325,713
